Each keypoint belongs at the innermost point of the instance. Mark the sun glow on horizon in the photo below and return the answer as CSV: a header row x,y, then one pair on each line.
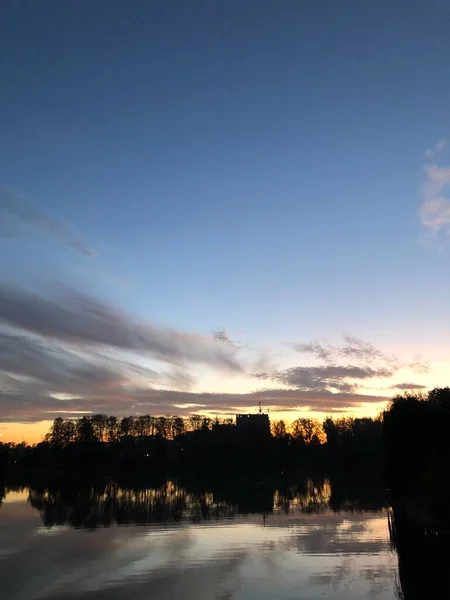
x,y
234,389
33,433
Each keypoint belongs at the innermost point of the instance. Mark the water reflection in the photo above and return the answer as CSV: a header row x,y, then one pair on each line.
x,y
238,540
108,503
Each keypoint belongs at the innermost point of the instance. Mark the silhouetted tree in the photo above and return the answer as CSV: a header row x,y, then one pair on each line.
x,y
127,427
62,432
112,430
307,431
178,426
85,430
279,429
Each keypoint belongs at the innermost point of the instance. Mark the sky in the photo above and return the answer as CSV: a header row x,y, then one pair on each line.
x,y
208,204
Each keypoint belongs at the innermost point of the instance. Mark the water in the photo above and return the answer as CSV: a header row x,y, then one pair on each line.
x,y
240,542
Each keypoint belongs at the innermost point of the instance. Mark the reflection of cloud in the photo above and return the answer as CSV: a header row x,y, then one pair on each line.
x,y
349,572
15,212
119,563
186,562
341,534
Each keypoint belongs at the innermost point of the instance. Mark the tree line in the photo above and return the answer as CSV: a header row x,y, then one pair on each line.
x,y
409,441
111,429
148,442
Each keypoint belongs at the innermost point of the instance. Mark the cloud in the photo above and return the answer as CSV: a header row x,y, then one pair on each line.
x,y
316,349
32,406
15,212
326,378
347,370
440,146
358,350
222,336
30,364
417,366
353,348
434,211
68,354
74,353
407,386
45,377
84,321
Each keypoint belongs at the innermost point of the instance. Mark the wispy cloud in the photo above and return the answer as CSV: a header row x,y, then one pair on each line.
x,y
348,368
322,351
75,353
353,348
343,378
78,319
439,147
434,210
32,364
67,353
222,336
35,370
15,213
407,386
30,406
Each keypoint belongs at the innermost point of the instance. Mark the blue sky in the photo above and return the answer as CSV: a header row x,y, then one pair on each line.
x,y
257,167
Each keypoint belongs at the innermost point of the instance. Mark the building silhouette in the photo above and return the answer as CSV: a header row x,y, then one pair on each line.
x,y
253,424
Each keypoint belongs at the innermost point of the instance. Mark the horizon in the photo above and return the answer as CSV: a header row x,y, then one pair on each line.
x,y
204,207
41,428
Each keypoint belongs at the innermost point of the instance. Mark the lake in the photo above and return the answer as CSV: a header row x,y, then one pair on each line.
x,y
164,540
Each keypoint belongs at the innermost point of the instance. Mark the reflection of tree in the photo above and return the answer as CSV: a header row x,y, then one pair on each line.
x,y
5,489
102,505
423,553
110,504
309,496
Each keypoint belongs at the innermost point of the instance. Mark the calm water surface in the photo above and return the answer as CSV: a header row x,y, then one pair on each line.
x,y
107,541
